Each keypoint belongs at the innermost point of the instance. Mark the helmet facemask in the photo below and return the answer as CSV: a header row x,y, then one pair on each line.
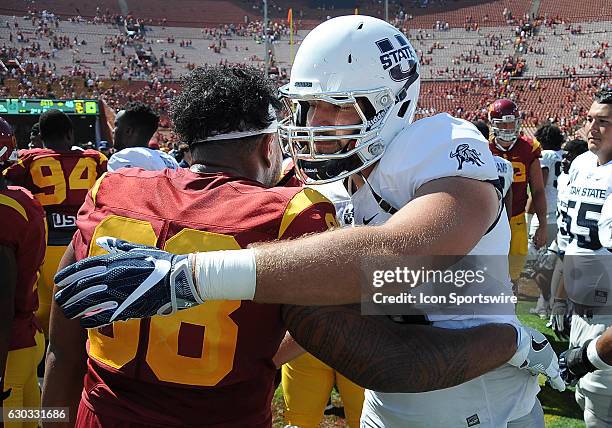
x,y
507,135
357,146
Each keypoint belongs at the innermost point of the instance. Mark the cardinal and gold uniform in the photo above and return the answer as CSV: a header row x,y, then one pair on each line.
x,y
224,349
22,221
307,381
521,155
59,180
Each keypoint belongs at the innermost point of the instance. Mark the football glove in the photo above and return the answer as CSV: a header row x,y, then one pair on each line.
x,y
535,354
559,319
132,281
574,363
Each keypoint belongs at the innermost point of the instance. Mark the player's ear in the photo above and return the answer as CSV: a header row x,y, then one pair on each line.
x,y
268,148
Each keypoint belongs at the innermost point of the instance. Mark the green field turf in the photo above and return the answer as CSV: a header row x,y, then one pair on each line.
x,y
560,409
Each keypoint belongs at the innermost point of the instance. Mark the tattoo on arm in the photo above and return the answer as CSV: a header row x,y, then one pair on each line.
x,y
381,355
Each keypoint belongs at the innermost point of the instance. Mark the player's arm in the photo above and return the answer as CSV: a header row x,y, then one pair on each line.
x,y
595,354
8,267
288,350
65,364
536,184
380,354
447,216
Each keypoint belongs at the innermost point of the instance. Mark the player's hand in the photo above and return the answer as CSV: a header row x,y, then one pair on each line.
x,y
535,354
567,375
559,319
539,238
132,281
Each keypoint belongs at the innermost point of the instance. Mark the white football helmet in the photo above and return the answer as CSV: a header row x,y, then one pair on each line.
x,y
352,61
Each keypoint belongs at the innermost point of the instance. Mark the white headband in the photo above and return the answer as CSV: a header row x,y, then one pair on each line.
x,y
272,128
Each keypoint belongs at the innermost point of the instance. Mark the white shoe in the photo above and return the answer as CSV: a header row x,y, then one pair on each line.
x,y
542,308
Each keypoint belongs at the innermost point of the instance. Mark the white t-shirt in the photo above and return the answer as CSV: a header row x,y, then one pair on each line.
x,y
432,148
141,157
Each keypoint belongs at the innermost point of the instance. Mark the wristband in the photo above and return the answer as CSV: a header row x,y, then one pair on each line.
x,y
225,275
594,356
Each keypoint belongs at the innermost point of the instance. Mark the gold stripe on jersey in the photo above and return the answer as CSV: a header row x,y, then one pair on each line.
x,y
95,187
10,202
301,201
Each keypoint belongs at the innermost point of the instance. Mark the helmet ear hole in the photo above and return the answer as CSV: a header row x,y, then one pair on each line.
x,y
403,109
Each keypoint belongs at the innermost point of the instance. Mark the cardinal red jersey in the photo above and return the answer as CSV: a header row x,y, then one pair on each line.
x,y
22,221
59,180
521,155
206,366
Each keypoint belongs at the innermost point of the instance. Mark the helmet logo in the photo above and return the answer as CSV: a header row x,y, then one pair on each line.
x,y
465,154
391,58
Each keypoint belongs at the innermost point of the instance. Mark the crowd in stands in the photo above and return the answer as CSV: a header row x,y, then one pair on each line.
x,y
483,66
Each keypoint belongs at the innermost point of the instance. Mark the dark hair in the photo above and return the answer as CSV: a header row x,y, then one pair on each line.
x,y
604,96
54,124
483,128
35,129
142,117
577,145
550,136
219,100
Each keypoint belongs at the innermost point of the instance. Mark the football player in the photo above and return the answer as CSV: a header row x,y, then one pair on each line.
x,y
217,358
59,179
524,154
424,188
559,310
551,139
505,171
22,250
587,262
134,127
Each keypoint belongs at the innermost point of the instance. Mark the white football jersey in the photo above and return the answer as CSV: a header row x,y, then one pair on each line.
x,y
551,159
589,186
141,157
562,232
432,148
605,224
588,261
505,172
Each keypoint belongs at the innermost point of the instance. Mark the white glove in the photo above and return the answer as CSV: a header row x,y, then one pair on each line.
x,y
535,354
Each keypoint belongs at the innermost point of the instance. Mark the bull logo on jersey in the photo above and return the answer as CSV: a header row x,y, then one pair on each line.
x,y
465,154
401,62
